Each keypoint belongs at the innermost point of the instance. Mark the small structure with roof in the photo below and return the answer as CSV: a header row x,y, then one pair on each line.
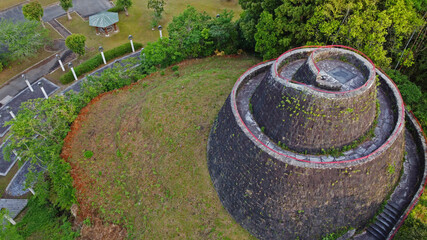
x,y
104,22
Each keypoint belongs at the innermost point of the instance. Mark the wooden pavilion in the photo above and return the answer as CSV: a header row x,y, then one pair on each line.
x,y
104,22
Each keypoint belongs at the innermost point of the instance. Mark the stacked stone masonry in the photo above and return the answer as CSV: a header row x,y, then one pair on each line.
x,y
276,195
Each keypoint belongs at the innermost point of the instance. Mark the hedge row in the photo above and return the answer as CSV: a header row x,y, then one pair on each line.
x,y
96,61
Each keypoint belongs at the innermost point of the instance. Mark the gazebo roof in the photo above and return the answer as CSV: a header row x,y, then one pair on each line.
x,y
103,19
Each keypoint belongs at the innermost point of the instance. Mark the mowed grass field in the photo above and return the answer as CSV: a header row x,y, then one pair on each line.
x,y
148,171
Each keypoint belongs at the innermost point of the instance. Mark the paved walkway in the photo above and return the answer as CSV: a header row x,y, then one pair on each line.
x,y
60,28
17,84
15,206
14,14
5,166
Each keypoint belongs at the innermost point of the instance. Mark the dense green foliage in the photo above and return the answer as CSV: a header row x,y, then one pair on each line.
x,y
33,11
191,34
66,4
20,40
378,28
116,9
415,99
97,61
76,43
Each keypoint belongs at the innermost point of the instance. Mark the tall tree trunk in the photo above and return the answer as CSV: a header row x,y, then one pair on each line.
x,y
41,21
126,11
68,15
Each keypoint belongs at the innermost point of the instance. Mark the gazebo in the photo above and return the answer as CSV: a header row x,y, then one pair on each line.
x,y
104,22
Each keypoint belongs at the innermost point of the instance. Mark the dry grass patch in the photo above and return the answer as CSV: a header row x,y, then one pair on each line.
x,y
139,157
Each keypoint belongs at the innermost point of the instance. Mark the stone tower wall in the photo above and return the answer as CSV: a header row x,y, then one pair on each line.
x,y
308,121
263,193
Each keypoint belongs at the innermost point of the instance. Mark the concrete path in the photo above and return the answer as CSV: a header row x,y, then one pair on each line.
x,y
14,206
24,96
60,28
17,84
5,166
76,86
14,14
16,187
84,8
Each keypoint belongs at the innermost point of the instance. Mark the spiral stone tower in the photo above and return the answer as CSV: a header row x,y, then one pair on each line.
x,y
308,144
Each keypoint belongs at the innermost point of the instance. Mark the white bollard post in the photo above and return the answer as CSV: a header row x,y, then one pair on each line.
x,y
131,43
160,31
103,58
70,65
101,50
43,91
16,154
10,219
60,62
32,191
10,112
13,115
28,83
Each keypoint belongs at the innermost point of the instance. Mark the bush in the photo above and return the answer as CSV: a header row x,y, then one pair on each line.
x,y
96,61
116,9
191,34
76,43
1,66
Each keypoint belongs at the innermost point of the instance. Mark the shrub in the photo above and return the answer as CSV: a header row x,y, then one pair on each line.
x,y
1,66
96,61
116,9
76,43
191,34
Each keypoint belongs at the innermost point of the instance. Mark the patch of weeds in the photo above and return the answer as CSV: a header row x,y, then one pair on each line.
x,y
175,68
87,222
337,234
391,169
88,154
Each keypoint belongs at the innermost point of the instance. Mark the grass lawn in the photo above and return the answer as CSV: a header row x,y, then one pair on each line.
x,y
149,170
17,67
9,3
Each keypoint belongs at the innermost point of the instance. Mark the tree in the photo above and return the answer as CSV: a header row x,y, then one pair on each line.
x,y
125,4
158,8
250,16
76,43
33,11
66,5
266,37
19,40
185,31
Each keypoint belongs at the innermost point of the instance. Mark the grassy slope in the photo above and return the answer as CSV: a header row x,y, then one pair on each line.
x,y
149,169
